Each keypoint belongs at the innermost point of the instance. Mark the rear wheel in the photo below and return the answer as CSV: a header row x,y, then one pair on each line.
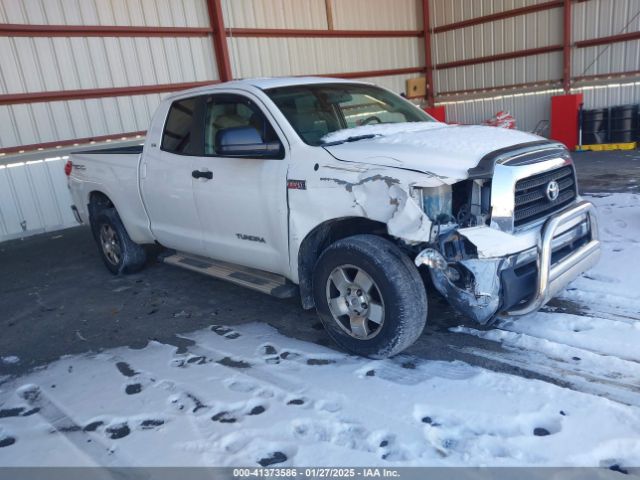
x,y
369,296
119,253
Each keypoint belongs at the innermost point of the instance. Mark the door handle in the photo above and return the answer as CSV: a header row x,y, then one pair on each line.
x,y
199,174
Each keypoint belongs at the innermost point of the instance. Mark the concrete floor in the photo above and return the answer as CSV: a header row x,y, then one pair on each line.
x,y
57,298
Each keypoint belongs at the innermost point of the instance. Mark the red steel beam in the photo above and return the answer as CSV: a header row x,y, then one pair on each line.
x,y
566,48
68,143
501,56
219,40
427,53
277,32
499,16
61,95
622,37
374,73
21,30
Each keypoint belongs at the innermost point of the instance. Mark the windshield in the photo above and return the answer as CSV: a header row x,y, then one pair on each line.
x,y
317,110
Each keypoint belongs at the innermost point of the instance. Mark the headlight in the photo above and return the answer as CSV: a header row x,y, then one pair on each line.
x,y
435,202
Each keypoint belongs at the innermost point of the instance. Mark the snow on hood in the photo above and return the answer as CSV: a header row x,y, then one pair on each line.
x,y
431,147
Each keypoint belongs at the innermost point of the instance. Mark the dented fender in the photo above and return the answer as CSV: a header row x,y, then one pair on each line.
x,y
383,195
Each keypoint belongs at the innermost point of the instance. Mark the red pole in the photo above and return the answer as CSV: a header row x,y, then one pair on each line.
x,y
427,52
566,51
219,40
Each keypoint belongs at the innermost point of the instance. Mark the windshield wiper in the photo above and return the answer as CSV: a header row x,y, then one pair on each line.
x,y
355,138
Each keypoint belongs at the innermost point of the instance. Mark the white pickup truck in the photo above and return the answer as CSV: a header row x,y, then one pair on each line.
x,y
347,195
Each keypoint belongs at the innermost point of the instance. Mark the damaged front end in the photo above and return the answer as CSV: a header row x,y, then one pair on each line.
x,y
511,244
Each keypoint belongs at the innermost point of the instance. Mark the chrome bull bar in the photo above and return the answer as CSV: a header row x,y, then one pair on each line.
x,y
552,279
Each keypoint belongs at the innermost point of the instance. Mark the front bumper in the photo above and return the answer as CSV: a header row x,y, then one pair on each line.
x,y
553,278
510,285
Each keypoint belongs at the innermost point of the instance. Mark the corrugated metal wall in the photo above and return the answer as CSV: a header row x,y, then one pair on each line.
x,y
528,108
591,19
538,29
604,18
33,198
263,56
37,64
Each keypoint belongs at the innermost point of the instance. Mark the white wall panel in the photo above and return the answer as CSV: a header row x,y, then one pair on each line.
x,y
536,68
603,96
527,108
377,14
292,14
255,57
444,12
26,124
604,59
163,13
49,64
34,198
540,29
603,18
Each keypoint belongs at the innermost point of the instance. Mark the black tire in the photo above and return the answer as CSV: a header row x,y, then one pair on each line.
x,y
130,256
397,291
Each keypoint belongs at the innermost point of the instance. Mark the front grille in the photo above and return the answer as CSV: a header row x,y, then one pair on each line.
x,y
531,202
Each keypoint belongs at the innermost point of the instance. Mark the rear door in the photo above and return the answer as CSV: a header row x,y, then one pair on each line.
x,y
243,207
167,178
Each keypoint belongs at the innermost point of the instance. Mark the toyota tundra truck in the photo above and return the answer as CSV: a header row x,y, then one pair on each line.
x,y
347,195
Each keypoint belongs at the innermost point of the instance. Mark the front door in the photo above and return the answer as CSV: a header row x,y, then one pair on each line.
x,y
243,207
167,182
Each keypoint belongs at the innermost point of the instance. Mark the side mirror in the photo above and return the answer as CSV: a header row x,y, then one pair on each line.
x,y
245,142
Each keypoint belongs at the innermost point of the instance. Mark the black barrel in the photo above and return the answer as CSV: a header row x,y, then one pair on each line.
x,y
594,126
624,124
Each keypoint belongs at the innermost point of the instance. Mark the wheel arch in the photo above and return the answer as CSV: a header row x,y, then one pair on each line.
x,y
323,235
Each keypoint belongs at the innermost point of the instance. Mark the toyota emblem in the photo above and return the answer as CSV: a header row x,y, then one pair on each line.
x,y
553,190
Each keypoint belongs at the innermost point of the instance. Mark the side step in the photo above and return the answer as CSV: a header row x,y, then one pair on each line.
x,y
264,282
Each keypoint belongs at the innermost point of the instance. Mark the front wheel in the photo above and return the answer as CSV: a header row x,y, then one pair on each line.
x,y
370,296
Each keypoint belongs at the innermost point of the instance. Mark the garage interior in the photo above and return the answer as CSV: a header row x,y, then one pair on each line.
x,y
77,73
89,72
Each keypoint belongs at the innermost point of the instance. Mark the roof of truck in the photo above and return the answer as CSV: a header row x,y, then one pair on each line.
x,y
265,83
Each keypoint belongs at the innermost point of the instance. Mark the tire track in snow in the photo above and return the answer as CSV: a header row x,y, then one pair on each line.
x,y
583,370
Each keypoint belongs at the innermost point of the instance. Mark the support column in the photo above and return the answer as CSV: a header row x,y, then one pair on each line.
x,y
566,50
219,40
427,53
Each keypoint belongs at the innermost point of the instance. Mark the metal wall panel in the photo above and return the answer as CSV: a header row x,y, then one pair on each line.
x,y
34,198
49,64
164,13
603,18
377,14
444,12
539,29
26,124
603,96
255,57
605,59
537,68
293,14
527,108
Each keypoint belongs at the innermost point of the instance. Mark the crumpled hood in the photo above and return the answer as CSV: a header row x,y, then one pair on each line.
x,y
445,151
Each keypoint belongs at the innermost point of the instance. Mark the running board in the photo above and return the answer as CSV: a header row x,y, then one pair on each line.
x,y
259,280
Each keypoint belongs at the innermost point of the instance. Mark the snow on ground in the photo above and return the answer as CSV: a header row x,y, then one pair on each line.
x,y
9,360
251,396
